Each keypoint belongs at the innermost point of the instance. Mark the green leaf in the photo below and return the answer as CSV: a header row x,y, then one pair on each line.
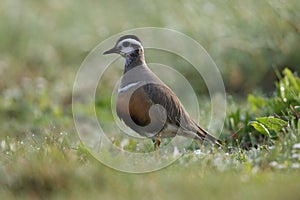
x,y
292,79
272,123
260,128
256,102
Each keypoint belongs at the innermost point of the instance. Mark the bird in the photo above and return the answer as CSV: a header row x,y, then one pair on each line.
x,y
146,104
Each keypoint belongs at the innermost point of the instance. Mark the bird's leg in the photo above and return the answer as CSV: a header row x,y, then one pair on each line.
x,y
157,142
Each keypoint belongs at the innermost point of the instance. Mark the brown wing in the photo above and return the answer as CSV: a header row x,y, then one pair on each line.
x,y
176,114
162,95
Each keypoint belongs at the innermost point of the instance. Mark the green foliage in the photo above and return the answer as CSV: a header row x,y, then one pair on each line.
x,y
276,114
260,128
285,99
269,126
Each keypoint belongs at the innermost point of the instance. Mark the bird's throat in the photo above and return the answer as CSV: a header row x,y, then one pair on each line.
x,y
132,61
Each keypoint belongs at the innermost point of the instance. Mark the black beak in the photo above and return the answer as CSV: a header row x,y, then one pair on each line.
x,y
112,50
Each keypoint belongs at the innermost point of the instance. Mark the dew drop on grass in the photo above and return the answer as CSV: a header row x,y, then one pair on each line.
x,y
197,152
296,146
3,144
281,166
273,164
296,156
296,166
124,143
175,152
12,147
271,147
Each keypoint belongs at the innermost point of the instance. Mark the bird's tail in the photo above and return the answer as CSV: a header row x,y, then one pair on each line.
x,y
204,135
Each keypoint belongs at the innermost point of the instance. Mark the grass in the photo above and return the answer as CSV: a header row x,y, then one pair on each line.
x,y
53,164
52,169
42,46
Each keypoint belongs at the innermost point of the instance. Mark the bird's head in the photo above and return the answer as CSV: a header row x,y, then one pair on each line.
x,y
127,45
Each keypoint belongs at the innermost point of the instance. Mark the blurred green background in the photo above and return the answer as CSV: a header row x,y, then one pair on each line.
x,y
42,44
247,40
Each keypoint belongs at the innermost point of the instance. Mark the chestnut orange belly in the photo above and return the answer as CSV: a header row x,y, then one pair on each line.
x,y
134,108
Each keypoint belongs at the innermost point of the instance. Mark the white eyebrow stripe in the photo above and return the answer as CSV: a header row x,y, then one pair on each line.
x,y
130,40
127,87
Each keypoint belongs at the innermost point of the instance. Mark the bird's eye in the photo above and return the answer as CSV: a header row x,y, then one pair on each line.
x,y
125,44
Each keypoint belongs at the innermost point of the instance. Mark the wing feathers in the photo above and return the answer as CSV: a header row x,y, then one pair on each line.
x,y
176,114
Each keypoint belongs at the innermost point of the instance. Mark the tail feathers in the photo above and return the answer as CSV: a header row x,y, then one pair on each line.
x,y
204,135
